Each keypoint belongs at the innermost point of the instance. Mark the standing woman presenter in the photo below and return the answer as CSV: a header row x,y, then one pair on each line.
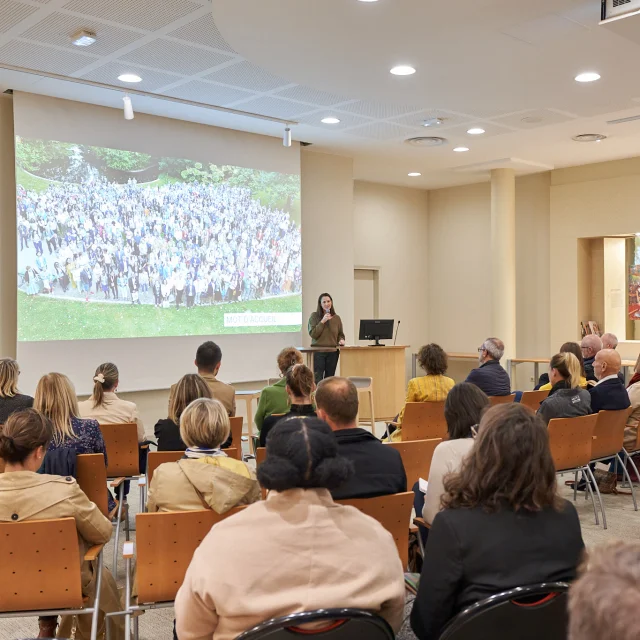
x,y
325,329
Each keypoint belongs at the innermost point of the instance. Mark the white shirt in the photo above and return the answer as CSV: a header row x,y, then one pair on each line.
x,y
611,377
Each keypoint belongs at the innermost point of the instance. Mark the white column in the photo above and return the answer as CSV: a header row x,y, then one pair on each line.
x,y
503,259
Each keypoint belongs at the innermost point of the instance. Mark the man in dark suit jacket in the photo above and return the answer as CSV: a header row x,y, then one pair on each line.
x,y
591,345
379,468
490,376
609,394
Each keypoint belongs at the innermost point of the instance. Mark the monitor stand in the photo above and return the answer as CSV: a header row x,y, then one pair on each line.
x,y
377,343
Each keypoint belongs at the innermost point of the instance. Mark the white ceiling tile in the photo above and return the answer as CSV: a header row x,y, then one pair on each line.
x,y
202,31
247,76
416,120
275,107
168,55
490,130
57,29
12,13
208,93
377,109
544,29
151,80
346,120
382,131
41,58
311,96
143,14
532,119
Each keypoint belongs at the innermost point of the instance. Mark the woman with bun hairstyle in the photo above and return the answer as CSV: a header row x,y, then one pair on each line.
x,y
300,385
26,495
302,533
325,329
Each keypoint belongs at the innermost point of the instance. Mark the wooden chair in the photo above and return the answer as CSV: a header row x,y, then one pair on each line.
x,y
608,441
532,399
424,421
261,456
365,385
416,457
236,434
494,400
393,512
40,570
570,443
631,451
91,475
2,465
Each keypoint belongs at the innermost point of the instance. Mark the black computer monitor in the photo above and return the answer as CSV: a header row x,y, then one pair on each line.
x,y
376,330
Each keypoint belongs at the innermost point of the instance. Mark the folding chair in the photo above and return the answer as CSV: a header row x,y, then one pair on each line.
x,y
91,475
532,399
40,571
494,400
423,421
393,512
340,624
525,613
570,442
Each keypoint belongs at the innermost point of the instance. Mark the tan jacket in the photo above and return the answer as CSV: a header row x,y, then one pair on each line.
x,y
313,554
221,391
113,411
222,482
447,458
631,430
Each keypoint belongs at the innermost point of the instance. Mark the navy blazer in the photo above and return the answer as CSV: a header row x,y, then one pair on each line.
x,y
491,378
609,395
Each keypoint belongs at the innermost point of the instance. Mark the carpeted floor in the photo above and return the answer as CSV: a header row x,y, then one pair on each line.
x,y
623,522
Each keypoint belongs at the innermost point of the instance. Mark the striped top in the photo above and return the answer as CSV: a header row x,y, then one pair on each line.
x,y
427,389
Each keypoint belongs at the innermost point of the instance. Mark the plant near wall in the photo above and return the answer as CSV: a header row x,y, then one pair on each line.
x,y
33,155
123,160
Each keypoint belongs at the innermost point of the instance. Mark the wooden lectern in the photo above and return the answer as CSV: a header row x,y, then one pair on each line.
x,y
386,365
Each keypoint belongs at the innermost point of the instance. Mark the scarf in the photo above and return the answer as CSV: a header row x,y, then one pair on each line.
x,y
636,378
199,452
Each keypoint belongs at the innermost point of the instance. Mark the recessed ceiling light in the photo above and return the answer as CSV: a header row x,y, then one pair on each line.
x,y
461,149
475,131
433,122
368,0
587,76
414,174
129,77
332,120
402,70
83,38
589,137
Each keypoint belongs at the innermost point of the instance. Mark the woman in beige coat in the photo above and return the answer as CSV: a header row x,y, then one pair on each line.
x,y
206,478
27,495
313,552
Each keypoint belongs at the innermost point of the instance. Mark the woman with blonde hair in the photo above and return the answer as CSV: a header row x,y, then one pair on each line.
x,y
206,478
566,399
167,431
274,398
10,398
105,406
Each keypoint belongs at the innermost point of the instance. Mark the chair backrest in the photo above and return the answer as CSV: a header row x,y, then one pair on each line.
x,y
494,400
526,613
416,457
570,441
91,475
328,624
236,434
393,513
121,441
165,545
532,399
261,455
362,383
609,433
424,421
39,565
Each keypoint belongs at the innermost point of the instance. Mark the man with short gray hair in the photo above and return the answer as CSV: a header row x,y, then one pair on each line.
x,y
609,341
590,345
490,376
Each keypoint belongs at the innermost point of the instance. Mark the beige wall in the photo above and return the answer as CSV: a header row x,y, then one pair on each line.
x,y
391,233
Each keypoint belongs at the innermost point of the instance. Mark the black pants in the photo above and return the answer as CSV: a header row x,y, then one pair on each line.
x,y
324,364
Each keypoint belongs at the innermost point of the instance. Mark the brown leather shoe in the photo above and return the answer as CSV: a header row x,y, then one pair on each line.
x,y
48,626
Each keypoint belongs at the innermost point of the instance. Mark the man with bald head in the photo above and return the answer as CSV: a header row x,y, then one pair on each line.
x,y
590,346
609,393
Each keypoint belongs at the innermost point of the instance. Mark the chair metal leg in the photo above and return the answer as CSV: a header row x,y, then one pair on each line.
x,y
96,601
115,542
628,458
127,617
126,522
143,502
136,627
626,474
589,490
575,486
595,484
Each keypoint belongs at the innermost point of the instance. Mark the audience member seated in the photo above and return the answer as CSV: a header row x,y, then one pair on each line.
x,y
609,341
567,347
490,376
314,553
631,430
189,388
432,387
10,399
378,467
205,478
105,406
300,384
502,525
590,345
26,495
274,398
566,399
636,373
208,360
462,411
609,393
603,601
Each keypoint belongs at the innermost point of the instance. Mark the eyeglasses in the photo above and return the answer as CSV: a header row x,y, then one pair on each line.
x,y
481,349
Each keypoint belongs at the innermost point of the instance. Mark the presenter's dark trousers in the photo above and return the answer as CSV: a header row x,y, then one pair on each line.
x,y
324,364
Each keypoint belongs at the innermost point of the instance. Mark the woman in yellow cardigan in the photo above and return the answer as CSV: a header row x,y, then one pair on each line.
x,y
567,347
433,387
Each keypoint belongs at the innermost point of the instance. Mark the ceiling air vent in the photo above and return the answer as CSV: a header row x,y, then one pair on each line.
x,y
589,137
616,9
426,141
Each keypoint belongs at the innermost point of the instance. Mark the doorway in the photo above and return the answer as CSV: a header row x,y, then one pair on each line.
x,y
366,297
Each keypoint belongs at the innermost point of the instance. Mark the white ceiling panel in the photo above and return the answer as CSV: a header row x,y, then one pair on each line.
x,y
12,13
34,56
248,76
202,31
274,107
207,92
382,131
151,80
377,109
532,119
347,120
416,120
311,96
